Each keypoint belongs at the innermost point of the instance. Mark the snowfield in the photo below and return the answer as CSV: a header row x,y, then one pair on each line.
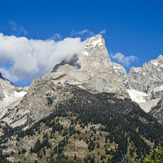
x,y
142,99
10,101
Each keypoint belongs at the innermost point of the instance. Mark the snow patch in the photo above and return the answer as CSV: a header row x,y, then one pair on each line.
x,y
20,94
97,42
10,101
137,96
141,99
148,105
85,53
154,63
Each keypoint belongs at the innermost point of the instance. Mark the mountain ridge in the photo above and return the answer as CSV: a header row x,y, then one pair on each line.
x,y
84,90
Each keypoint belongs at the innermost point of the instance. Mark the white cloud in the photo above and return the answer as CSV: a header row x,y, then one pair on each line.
x,y
84,32
28,58
124,60
55,37
103,31
21,29
13,25
16,28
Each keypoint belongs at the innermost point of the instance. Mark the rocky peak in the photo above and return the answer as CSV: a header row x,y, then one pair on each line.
x,y
95,54
91,69
147,77
93,57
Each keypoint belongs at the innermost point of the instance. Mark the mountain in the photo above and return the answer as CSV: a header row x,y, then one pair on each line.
x,y
147,77
145,85
91,70
80,111
84,127
157,111
10,96
120,71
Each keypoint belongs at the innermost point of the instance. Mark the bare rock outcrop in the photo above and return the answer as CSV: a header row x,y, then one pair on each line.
x,y
147,77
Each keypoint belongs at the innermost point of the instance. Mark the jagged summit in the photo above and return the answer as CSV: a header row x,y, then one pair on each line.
x,y
93,56
147,77
92,69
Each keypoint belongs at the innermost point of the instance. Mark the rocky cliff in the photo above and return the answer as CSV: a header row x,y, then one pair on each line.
x,y
91,70
10,96
83,107
147,77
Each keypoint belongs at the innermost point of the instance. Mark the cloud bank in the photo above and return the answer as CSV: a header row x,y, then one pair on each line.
x,y
25,59
124,60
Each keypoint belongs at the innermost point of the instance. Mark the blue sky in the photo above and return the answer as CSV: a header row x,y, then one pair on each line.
x,y
132,28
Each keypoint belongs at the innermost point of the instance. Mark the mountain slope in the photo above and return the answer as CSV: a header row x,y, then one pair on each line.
x,y
144,84
125,130
81,107
10,96
91,70
157,111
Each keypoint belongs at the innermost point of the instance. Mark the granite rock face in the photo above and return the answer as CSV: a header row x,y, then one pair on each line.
x,y
6,88
10,96
157,111
147,77
1,92
38,103
120,71
145,85
91,70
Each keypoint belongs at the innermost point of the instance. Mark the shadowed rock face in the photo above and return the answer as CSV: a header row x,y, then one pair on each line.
x,y
71,62
157,111
1,76
1,93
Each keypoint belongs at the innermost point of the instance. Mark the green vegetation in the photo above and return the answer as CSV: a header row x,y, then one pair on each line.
x,y
153,157
90,128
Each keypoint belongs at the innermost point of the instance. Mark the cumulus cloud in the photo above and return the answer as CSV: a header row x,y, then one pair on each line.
x,y
24,59
16,28
124,60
